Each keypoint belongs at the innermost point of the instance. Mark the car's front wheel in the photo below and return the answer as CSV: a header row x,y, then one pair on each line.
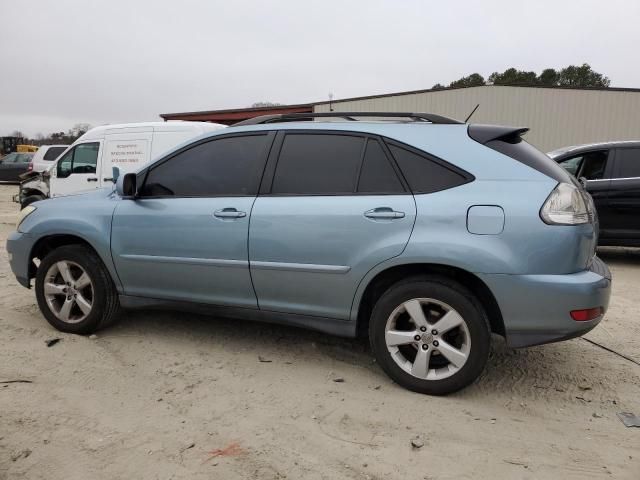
x,y
430,335
74,290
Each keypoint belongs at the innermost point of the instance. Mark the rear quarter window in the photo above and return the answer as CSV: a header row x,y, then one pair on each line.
x,y
425,173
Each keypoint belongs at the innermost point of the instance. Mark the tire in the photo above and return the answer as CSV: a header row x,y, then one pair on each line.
x,y
394,333
92,306
30,199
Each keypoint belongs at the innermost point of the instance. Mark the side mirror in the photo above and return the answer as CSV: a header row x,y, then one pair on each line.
x,y
126,186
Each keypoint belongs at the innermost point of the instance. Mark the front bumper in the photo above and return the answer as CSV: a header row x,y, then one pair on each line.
x,y
536,308
19,247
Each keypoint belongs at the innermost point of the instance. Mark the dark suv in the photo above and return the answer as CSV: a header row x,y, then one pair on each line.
x,y
612,173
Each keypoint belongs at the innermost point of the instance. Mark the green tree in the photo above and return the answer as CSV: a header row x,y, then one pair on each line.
x,y
582,76
571,76
511,76
549,77
473,80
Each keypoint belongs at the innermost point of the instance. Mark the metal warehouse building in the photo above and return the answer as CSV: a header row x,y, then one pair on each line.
x,y
557,117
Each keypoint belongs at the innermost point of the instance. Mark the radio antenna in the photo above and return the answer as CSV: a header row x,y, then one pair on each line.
x,y
472,112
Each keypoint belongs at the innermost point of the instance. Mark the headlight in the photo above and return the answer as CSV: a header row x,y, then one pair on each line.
x,y
565,206
24,213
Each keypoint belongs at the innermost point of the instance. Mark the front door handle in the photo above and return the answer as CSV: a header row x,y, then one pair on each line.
x,y
92,179
229,213
385,213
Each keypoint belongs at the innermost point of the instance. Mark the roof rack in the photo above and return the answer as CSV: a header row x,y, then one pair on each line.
x,y
350,116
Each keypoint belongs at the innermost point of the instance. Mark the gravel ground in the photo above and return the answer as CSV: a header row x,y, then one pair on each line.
x,y
165,395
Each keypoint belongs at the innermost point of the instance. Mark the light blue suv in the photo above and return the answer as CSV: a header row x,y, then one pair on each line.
x,y
425,233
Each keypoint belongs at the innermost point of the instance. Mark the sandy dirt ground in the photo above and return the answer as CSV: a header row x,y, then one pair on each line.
x,y
166,395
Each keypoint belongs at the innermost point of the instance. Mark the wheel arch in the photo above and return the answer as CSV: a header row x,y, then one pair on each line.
x,y
387,277
28,191
50,242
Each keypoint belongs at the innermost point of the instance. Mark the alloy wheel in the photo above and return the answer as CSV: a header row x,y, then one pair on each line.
x,y
428,338
68,291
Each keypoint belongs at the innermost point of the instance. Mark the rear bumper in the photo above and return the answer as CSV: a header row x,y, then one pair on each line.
x,y
19,247
536,308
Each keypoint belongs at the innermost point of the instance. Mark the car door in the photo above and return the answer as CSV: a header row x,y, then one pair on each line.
x,y
624,195
185,236
77,170
596,166
332,207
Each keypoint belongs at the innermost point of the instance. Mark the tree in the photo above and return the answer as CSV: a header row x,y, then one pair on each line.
x,y
17,133
582,76
438,86
473,80
511,76
571,76
548,77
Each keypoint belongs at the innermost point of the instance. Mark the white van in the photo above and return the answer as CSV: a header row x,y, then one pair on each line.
x,y
87,163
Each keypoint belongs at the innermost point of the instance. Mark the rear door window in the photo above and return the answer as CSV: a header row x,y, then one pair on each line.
x,y
377,175
627,163
318,164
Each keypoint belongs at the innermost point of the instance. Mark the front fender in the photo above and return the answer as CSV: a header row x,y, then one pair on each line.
x,y
82,217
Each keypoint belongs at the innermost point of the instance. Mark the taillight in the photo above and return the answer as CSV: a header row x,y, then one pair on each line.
x,y
30,167
586,314
566,206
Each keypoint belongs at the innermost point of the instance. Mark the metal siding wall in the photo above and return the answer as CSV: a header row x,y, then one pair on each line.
x,y
556,117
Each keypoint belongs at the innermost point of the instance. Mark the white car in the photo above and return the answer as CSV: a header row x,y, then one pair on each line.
x,y
87,164
45,157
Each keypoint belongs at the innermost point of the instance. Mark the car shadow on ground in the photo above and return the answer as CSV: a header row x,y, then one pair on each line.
x,y
509,370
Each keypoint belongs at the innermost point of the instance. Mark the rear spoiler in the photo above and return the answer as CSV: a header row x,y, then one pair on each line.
x,y
486,133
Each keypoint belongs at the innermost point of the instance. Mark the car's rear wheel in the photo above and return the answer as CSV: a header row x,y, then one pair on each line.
x,y
74,290
430,335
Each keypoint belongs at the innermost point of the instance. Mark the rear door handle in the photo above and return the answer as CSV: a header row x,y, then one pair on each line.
x,y
92,179
383,213
229,213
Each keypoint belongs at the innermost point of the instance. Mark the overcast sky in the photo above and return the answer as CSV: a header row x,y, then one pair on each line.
x,y
70,61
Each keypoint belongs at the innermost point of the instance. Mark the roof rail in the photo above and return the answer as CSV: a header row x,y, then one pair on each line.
x,y
351,116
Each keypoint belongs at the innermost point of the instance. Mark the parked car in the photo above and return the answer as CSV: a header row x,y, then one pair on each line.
x,y
612,173
426,234
13,165
44,157
86,165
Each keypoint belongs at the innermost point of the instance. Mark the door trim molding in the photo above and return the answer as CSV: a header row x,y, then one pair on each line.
x,y
300,267
211,262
